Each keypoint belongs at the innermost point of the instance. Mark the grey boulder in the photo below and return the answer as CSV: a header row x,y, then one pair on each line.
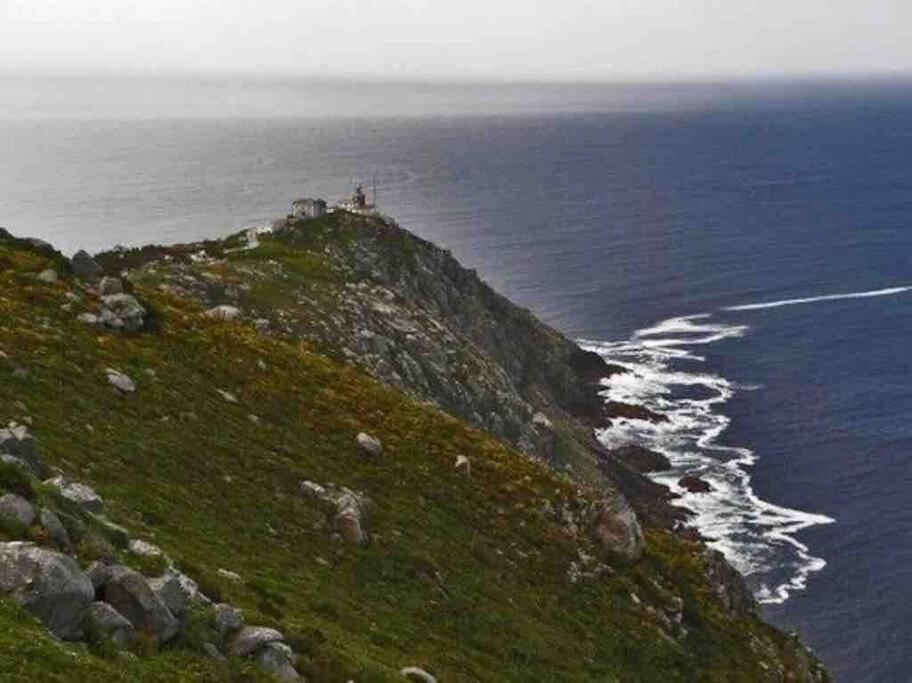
x,y
277,659
127,592
228,620
78,493
17,440
104,623
16,507
251,638
48,584
370,445
169,590
127,309
84,265
55,529
109,286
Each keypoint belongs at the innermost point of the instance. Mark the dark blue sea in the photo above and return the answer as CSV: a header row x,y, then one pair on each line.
x,y
744,249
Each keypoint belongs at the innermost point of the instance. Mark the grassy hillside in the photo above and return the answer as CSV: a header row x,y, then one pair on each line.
x,y
464,576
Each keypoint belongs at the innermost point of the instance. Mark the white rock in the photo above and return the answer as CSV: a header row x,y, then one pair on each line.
x,y
541,420
48,276
224,313
227,395
88,318
463,465
143,548
413,673
120,381
369,444
230,575
78,493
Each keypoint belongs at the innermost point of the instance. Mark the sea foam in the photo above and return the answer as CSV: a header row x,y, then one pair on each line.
x,y
756,536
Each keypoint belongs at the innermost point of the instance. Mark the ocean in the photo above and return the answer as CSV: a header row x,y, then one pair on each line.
x,y
743,248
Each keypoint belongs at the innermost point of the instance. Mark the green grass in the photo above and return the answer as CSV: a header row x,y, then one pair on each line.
x,y
464,577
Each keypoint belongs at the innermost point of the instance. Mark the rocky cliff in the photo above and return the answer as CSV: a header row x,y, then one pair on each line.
x,y
222,398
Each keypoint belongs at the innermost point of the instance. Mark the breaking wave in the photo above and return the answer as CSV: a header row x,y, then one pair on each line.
x,y
664,374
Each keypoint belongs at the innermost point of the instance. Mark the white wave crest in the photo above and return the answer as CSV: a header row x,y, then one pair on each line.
x,y
756,536
889,291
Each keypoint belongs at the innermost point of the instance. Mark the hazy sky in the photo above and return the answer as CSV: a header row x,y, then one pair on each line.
x,y
588,39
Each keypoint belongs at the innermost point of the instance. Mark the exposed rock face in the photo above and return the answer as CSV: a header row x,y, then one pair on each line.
x,y
728,584
224,312
127,592
616,530
48,584
104,623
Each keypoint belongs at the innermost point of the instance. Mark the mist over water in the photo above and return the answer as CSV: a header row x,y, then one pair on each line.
x,y
743,248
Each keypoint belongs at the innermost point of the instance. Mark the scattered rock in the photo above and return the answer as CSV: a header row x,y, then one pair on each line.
x,y
277,659
16,507
82,495
311,489
103,623
85,266
541,421
230,575
56,530
369,444
110,286
48,584
413,673
125,309
350,517
120,381
694,484
227,395
88,318
144,548
127,591
463,465
49,276
224,313
251,638
616,529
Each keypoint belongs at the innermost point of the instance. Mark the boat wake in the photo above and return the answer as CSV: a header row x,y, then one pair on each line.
x,y
665,374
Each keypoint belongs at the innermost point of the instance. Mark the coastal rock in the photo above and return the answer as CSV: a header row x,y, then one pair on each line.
x,y
616,530
48,584
629,411
85,266
103,623
694,484
368,444
16,507
79,493
127,591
